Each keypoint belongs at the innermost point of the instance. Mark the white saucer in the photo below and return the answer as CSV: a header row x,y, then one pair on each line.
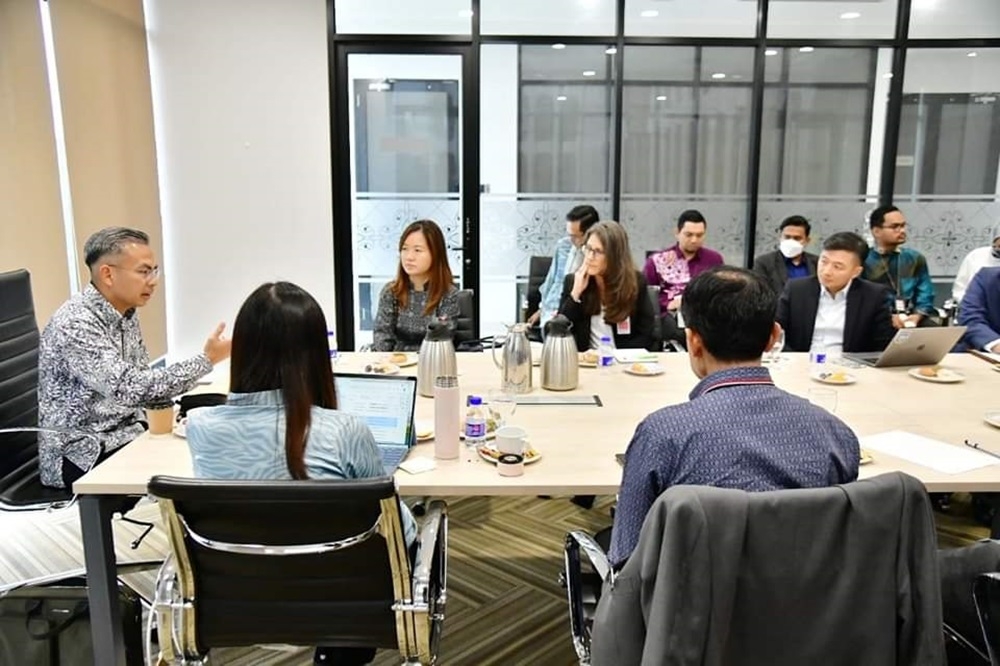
x,y
944,376
649,369
993,418
825,378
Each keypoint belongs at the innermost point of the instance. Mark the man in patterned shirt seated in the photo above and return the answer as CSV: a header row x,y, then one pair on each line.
x,y
93,367
737,430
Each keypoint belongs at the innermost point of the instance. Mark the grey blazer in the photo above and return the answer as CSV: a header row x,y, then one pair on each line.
x,y
723,577
772,267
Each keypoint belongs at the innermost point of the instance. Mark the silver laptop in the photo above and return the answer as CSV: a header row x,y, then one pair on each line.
x,y
913,346
385,403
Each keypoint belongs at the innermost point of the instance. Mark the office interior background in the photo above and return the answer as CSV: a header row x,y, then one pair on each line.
x,y
294,139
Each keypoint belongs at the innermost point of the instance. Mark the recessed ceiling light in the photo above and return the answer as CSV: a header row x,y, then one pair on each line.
x,y
806,49
887,75
771,52
736,76
661,98
589,72
649,13
561,98
850,15
465,13
558,46
972,54
719,75
611,50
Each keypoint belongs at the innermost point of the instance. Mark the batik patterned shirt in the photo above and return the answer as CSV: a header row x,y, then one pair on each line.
x,y
905,273
94,377
402,329
671,271
737,431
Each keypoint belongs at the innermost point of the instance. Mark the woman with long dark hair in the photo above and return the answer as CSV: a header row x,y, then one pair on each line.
x,y
281,419
607,295
422,291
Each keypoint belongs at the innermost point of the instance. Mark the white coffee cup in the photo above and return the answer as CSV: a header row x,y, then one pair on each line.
x,y
510,439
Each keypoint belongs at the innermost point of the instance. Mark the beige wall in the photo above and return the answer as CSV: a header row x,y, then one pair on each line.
x,y
31,227
101,57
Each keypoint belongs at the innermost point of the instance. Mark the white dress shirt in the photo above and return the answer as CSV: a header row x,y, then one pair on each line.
x,y
831,315
599,327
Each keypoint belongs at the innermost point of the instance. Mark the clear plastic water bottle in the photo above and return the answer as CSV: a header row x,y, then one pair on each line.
x,y
817,363
475,423
605,352
331,340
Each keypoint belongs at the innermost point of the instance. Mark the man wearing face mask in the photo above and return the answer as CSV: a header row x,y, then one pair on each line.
x,y
836,310
790,260
981,257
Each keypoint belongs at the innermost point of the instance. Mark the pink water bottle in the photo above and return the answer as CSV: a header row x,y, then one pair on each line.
x,y
446,417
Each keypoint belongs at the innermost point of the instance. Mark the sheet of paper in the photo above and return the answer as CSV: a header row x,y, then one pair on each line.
x,y
558,400
417,465
939,456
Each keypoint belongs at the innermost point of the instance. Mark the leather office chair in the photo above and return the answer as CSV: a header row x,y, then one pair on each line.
x,y
465,325
338,574
20,485
538,268
766,582
653,292
986,592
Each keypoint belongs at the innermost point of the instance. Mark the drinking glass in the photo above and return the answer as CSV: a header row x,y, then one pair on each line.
x,y
825,398
503,403
774,353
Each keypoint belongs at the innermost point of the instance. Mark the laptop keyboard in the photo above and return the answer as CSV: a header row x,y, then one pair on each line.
x,y
391,457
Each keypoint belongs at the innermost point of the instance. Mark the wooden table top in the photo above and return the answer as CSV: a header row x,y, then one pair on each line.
x,y
577,443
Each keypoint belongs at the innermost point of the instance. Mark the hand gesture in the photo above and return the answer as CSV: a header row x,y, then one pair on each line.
x,y
535,316
580,281
218,347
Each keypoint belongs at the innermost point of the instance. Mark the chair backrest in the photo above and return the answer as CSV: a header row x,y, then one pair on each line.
x,y
465,325
18,375
784,576
538,268
986,592
341,597
653,292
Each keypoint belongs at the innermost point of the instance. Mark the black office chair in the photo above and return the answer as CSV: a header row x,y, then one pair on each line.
x,y
538,268
465,325
300,563
986,592
20,484
653,292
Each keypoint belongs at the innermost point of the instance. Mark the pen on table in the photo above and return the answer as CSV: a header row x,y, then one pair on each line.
x,y
976,446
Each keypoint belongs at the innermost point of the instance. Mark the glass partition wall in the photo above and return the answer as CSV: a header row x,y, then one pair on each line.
x,y
496,117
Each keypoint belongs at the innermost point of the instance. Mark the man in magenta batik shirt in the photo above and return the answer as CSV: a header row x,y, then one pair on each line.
x,y
673,268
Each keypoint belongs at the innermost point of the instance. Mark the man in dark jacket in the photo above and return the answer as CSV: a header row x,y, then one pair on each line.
x,y
836,310
790,260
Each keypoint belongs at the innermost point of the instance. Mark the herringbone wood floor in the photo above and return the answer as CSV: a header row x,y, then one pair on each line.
x,y
506,608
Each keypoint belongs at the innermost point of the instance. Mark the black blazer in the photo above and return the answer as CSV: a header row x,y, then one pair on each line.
x,y
773,269
641,323
867,326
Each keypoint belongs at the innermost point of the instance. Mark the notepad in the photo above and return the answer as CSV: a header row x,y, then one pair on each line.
x,y
927,452
546,399
634,355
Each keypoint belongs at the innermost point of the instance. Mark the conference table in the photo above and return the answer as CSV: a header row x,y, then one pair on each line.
x,y
577,443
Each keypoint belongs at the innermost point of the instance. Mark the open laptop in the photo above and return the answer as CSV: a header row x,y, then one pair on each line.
x,y
385,403
913,346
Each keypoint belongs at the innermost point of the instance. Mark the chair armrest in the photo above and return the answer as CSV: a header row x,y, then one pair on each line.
x,y
433,529
595,554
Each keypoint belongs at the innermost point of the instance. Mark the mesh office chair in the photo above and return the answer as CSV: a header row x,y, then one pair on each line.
x,y
297,562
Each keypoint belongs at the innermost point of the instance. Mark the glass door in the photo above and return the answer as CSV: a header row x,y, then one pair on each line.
x,y
400,140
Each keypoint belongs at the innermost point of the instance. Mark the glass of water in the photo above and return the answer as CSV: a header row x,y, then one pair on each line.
x,y
774,353
825,398
502,403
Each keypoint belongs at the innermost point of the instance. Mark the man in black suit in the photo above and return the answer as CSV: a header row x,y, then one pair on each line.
x,y
790,260
836,310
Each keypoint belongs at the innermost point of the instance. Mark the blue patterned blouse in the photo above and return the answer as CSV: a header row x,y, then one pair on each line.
x,y
245,439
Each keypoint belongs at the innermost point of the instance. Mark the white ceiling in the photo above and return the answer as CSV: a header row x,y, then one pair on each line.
x,y
692,18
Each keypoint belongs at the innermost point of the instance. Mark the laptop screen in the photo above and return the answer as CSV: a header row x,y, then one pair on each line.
x,y
384,403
